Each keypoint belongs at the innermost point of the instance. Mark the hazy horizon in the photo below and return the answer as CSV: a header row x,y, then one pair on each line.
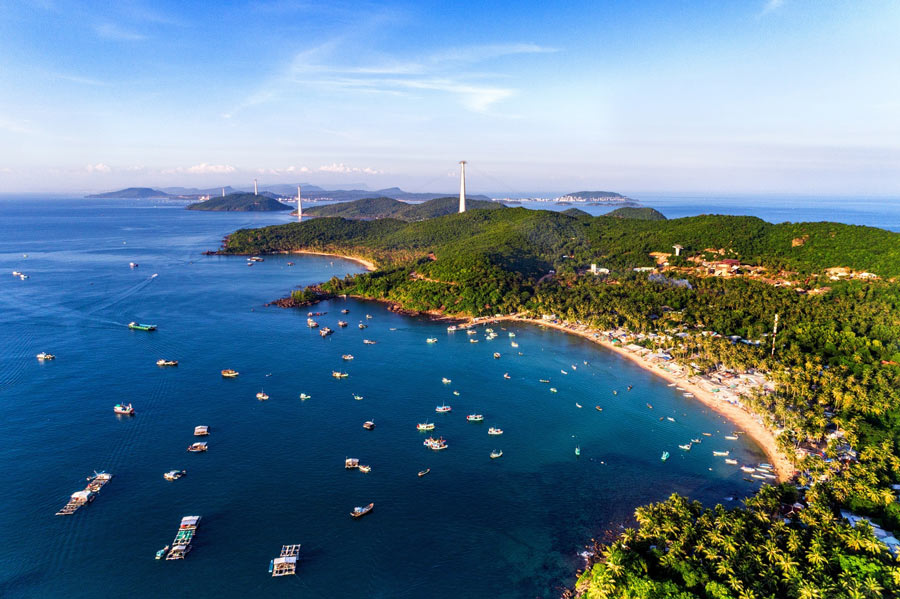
x,y
759,97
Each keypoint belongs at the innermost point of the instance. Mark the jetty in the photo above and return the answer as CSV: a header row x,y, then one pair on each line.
x,y
182,543
286,563
84,497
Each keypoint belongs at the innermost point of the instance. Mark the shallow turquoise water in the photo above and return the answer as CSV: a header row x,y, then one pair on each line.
x,y
474,527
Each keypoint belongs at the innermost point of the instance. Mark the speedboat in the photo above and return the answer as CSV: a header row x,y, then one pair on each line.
x,y
475,417
164,362
442,409
496,355
495,431
598,408
261,396
506,375
564,372
347,357
369,342
368,316
577,405
133,264
45,356
496,454
123,409
141,327
174,474
305,396
424,472
359,512
431,340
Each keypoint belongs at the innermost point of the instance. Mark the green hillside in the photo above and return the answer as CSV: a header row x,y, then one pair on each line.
x,y
240,202
384,207
637,213
132,192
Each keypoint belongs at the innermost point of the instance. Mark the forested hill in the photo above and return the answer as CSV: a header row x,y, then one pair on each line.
x,y
240,202
384,207
132,192
533,241
643,213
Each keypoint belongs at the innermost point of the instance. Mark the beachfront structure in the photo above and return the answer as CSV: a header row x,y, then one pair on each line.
x,y
462,186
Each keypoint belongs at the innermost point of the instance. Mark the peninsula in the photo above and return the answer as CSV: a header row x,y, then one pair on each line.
x,y
240,202
383,207
695,300
142,193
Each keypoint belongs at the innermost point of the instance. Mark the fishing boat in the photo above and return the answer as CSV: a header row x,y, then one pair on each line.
x,y
577,405
81,498
357,397
552,389
564,372
443,408
359,512
695,440
759,476
425,426
731,437
577,450
311,323
351,463
369,342
471,332
305,396
431,340
369,425
598,408
141,327
164,362
495,431
506,375
363,326
670,419
133,264
649,406
435,444
544,380
456,393
162,552
201,431
256,259
451,328
290,263
45,356
338,374
514,344
765,466
365,469
345,311
706,434
197,447
473,340
574,367
496,454
475,418
347,357
446,381
123,409
325,331
424,472
511,334
174,474
228,373
664,456
629,388
721,453
731,461
686,447
615,392
261,396
688,394
368,316
496,355
342,323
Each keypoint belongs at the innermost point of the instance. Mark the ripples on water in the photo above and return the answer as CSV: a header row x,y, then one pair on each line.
x,y
473,527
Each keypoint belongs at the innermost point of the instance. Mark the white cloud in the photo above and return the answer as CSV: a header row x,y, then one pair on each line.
x,y
202,169
344,169
111,31
98,168
772,5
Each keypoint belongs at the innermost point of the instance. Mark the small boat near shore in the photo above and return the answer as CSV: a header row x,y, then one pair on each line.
x,y
45,356
495,431
261,396
369,425
338,374
475,418
359,512
425,426
123,409
228,373
497,453
135,326
731,462
201,431
347,357
164,362
443,409
431,340
731,437
305,396
721,453
198,447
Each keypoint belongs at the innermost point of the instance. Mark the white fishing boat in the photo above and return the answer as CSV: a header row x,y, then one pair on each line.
x,y
261,396
475,418
425,426
686,447
446,381
496,454
174,474
45,356
731,462
431,340
495,431
347,357
451,328
721,453
731,437
506,375
514,344
443,409
552,389
357,397
305,396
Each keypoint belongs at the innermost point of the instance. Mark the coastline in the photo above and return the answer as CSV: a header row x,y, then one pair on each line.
x,y
370,266
741,418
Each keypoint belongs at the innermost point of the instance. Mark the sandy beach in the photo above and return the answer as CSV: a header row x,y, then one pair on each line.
x,y
742,419
370,266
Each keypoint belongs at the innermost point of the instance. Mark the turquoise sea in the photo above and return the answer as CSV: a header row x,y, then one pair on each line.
x,y
274,475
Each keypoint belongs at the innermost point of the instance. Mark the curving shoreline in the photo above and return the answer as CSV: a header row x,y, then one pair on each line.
x,y
370,266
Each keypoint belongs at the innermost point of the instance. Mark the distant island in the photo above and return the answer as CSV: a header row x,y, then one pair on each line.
x,y
384,207
143,193
240,202
597,197
642,213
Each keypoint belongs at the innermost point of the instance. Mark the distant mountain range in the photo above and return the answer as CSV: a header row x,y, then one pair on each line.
x,y
132,192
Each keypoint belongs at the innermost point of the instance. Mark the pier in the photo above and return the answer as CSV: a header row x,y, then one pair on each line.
x,y
82,498
286,563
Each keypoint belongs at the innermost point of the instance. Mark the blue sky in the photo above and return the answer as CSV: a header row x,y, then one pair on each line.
x,y
755,96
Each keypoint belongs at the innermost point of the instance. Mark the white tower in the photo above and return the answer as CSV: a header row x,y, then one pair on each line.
x,y
223,192
462,186
299,206
255,188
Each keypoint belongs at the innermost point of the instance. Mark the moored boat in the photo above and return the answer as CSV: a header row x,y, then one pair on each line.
x,y
443,408
598,408
261,396
342,323
431,340
228,373
351,463
124,409
475,417
311,323
731,437
425,426
435,444
347,357
451,328
721,453
731,461
45,356
495,431
201,431
182,543
162,552
325,331
359,512
198,447
174,474
424,472
141,327
496,454
369,425
338,374
164,362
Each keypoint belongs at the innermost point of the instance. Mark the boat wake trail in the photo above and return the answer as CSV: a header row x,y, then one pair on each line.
x,y
123,295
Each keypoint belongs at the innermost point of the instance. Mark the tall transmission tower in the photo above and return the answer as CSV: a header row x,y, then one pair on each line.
x,y
462,186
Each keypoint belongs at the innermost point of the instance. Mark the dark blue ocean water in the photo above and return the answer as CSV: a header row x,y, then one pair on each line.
x,y
274,475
